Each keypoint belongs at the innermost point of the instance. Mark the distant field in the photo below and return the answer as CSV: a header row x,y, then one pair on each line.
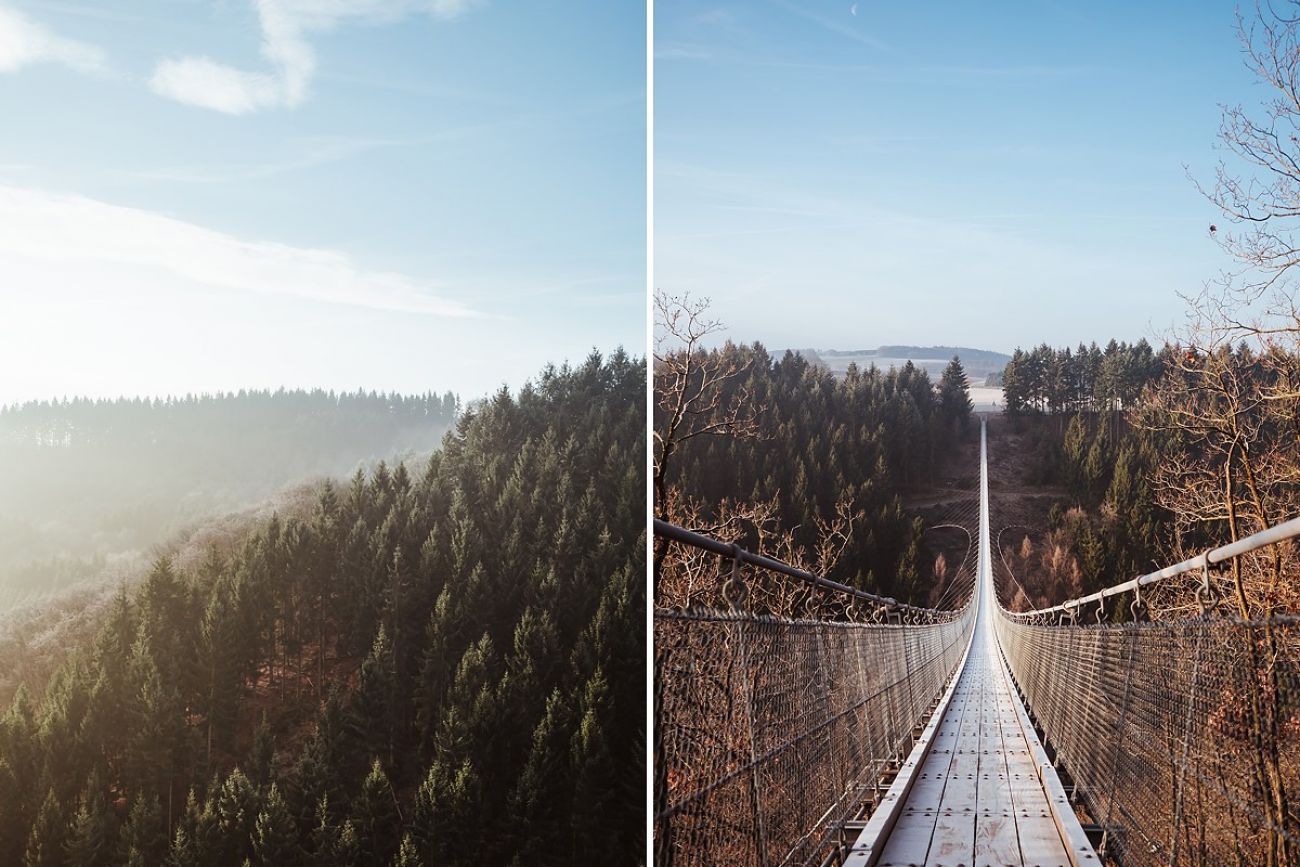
x,y
978,363
986,398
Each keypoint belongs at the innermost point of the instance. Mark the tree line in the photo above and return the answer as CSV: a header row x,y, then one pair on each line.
x,y
1085,379
439,667
789,458
146,468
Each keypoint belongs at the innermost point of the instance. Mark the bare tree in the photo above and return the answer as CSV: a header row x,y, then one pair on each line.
x,y
692,577
1231,396
698,393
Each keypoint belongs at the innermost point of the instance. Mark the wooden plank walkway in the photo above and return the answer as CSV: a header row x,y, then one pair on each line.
x,y
977,799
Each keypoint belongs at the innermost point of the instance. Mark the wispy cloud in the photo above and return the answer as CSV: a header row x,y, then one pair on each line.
x,y
848,31
24,42
313,154
84,234
683,51
285,25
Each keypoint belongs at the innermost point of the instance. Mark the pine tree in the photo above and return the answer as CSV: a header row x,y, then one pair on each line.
x,y
447,817
539,798
48,838
324,836
407,855
274,834
954,395
261,756
90,837
376,697
375,818
347,847
236,813
593,768
144,831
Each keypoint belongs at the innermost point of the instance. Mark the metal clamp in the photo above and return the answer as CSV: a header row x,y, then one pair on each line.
x,y
734,590
1136,603
1203,590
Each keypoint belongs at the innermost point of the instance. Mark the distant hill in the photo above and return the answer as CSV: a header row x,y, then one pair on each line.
x,y
93,483
979,363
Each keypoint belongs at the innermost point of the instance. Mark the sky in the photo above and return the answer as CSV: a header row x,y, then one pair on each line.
x,y
839,174
203,195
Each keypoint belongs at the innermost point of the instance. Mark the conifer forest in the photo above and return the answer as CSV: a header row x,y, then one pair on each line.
x,y
435,663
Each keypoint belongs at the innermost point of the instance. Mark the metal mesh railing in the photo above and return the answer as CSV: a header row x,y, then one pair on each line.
x,y
1182,735
772,731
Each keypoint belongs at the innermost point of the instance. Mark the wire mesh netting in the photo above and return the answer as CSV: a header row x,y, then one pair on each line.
x,y
1180,727
1183,737
772,731
782,707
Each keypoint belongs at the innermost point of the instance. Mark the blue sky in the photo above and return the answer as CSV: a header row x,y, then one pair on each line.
x,y
843,175
214,194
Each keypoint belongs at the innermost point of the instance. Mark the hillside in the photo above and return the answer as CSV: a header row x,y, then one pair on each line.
x,y
446,659
91,487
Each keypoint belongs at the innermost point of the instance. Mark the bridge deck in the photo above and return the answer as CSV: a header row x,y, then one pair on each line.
x,y
978,788
977,798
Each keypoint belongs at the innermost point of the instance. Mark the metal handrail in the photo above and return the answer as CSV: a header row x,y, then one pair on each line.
x,y
1270,536
735,552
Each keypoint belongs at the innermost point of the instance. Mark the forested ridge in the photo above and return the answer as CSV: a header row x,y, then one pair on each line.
x,y
820,458
436,666
1128,438
143,469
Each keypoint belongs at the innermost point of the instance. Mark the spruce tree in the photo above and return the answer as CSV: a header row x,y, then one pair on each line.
x,y
90,841
375,817
48,839
407,855
275,840
144,830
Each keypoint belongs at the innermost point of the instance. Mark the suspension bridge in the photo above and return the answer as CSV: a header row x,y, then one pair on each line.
x,y
863,731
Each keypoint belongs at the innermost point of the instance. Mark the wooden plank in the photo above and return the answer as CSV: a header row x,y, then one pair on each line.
x,y
910,840
997,840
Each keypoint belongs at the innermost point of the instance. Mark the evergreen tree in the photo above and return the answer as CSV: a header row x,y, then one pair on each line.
x,y
593,760
236,813
375,818
262,755
517,535
144,831
407,854
539,798
48,838
376,697
275,840
90,836
954,395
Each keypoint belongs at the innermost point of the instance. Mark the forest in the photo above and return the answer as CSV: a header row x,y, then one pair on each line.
x,y
1160,455
436,665
1086,379
781,455
143,469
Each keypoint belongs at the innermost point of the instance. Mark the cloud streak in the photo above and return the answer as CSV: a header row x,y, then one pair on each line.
x,y
286,25
23,42
75,233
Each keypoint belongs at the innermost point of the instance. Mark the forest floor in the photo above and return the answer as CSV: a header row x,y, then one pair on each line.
x,y
1014,501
